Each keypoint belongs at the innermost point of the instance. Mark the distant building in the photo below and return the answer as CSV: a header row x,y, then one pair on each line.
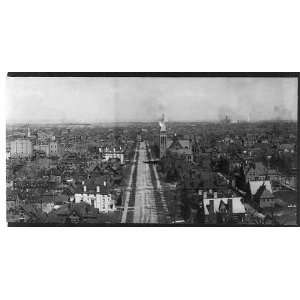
x,y
98,197
21,148
7,153
250,140
43,136
287,148
226,120
112,153
51,148
139,137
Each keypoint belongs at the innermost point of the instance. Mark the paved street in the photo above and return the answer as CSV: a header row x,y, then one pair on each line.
x,y
128,191
145,208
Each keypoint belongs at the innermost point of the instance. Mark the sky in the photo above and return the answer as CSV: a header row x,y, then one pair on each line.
x,y
108,99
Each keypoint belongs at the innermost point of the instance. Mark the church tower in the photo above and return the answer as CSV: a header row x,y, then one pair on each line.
x,y
162,137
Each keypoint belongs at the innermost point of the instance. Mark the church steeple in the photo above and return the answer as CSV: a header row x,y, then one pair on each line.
x,y
162,137
162,123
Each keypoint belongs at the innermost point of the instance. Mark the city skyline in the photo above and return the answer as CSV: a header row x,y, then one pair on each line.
x,y
116,100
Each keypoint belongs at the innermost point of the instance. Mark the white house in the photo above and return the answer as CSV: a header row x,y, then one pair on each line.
x,y
235,204
110,154
98,198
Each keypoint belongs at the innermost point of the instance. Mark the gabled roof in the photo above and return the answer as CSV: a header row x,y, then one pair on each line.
x,y
255,185
184,143
169,143
266,194
91,188
175,145
287,146
258,168
93,167
237,205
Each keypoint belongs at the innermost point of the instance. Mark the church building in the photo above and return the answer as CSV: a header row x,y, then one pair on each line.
x,y
181,147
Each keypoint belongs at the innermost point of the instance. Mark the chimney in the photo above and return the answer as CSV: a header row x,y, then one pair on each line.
x,y
204,195
229,206
215,195
98,189
84,188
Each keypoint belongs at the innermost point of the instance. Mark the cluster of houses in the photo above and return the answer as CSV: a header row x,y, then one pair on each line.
x,y
64,188
245,155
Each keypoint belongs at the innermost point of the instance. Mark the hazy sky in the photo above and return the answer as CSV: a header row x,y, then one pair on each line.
x,y
91,99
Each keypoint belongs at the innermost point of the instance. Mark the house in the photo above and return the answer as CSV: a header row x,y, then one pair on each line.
x,y
12,200
255,172
50,201
31,213
96,196
219,208
287,148
73,213
112,154
180,147
262,194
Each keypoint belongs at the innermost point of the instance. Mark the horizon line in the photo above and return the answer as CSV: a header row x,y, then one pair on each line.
x,y
137,121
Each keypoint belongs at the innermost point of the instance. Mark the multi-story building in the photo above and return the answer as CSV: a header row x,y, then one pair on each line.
x,y
21,148
50,148
98,197
112,153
